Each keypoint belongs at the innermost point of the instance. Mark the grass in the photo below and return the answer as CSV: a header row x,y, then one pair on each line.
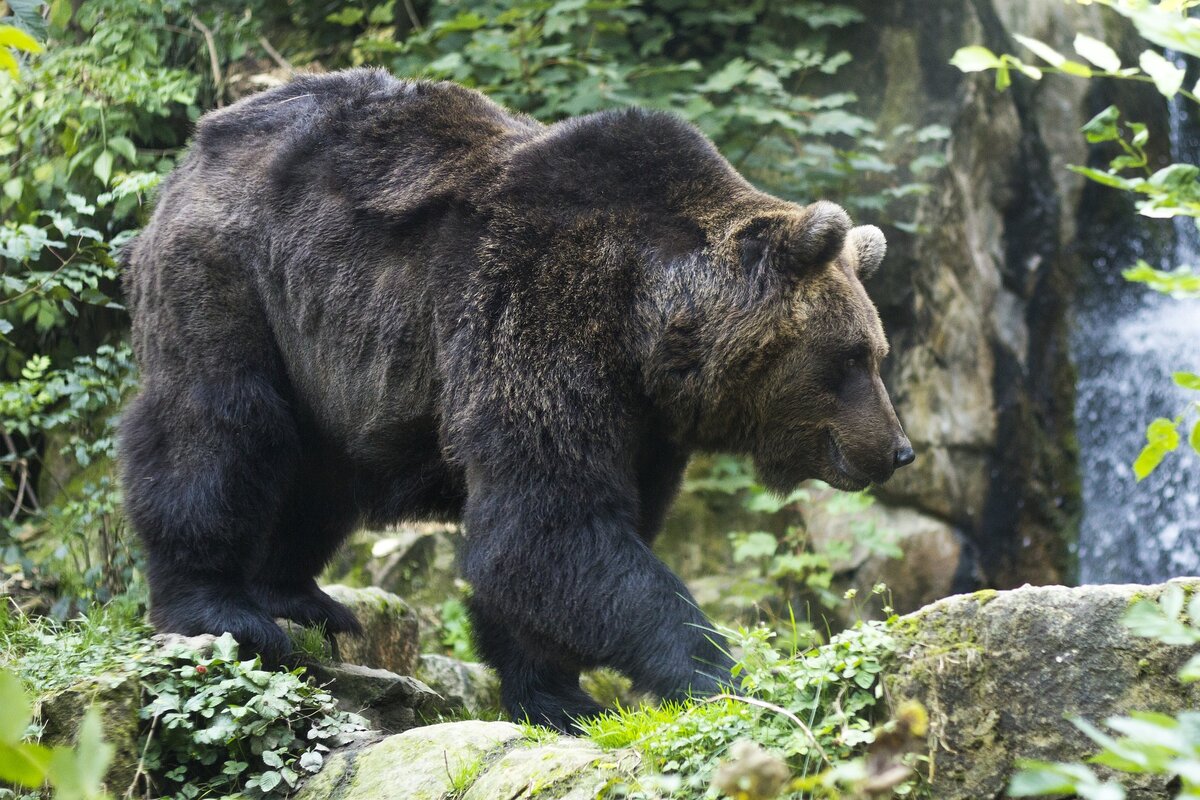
x,y
48,655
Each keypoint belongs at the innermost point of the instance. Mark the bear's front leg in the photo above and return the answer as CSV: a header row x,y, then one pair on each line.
x,y
559,565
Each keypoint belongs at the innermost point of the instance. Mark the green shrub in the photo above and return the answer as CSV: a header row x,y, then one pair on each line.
x,y
213,724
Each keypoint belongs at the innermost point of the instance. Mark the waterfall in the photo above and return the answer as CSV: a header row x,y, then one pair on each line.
x,y
1127,342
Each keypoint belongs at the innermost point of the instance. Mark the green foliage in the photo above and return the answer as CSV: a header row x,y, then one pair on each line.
x,y
1172,191
219,724
814,708
14,39
213,725
85,134
1146,743
753,75
75,773
789,564
456,633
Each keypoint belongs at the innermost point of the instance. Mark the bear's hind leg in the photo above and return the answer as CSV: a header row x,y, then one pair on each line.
x,y
533,687
204,468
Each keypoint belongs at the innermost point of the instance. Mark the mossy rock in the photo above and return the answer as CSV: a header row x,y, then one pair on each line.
x,y
117,699
390,632
427,763
464,687
1001,673
470,761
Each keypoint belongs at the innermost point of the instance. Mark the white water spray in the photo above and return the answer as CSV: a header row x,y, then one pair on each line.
x,y
1126,347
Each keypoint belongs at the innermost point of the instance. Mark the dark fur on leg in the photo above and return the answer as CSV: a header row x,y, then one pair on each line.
x,y
203,478
535,689
597,596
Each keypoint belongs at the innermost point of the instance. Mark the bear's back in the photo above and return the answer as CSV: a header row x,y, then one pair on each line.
x,y
361,132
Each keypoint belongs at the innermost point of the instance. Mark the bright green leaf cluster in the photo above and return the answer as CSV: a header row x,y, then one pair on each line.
x,y
13,38
1163,435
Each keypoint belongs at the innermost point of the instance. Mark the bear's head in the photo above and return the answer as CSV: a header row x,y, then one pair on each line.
x,y
771,347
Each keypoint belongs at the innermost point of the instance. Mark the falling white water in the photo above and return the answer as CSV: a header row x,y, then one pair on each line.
x,y
1127,343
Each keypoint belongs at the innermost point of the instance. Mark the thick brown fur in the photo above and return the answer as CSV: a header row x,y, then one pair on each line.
x,y
366,300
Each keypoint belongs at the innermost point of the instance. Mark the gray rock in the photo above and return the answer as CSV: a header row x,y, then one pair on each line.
x,y
429,763
390,632
389,702
1001,672
171,643
464,687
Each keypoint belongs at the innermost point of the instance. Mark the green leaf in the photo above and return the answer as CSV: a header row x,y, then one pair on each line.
x,y
1193,440
225,647
269,780
103,166
1103,178
1103,126
347,16
92,754
1167,77
753,545
382,14
1187,380
1097,52
1041,778
8,63
18,40
1162,437
60,13
975,59
1191,670
1042,50
14,709
122,145
24,764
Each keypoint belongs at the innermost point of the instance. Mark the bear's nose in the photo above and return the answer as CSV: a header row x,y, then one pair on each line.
x,y
904,455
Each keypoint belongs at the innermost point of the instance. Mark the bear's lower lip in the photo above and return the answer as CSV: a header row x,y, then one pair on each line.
x,y
843,466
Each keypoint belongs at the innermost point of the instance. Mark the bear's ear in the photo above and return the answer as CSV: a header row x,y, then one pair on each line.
x,y
795,243
868,244
820,235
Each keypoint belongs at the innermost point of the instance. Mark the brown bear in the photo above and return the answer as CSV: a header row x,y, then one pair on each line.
x,y
364,300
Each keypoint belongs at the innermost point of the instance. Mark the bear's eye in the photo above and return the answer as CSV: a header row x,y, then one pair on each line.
x,y
850,363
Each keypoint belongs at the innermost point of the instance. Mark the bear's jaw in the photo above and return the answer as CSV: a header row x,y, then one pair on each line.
x,y
847,477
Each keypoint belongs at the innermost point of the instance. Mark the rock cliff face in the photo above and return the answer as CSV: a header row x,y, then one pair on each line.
x,y
977,302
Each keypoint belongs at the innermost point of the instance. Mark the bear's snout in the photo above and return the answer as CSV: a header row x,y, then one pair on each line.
x,y
904,454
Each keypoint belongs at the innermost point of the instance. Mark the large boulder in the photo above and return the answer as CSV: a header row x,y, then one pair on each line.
x,y
1001,673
